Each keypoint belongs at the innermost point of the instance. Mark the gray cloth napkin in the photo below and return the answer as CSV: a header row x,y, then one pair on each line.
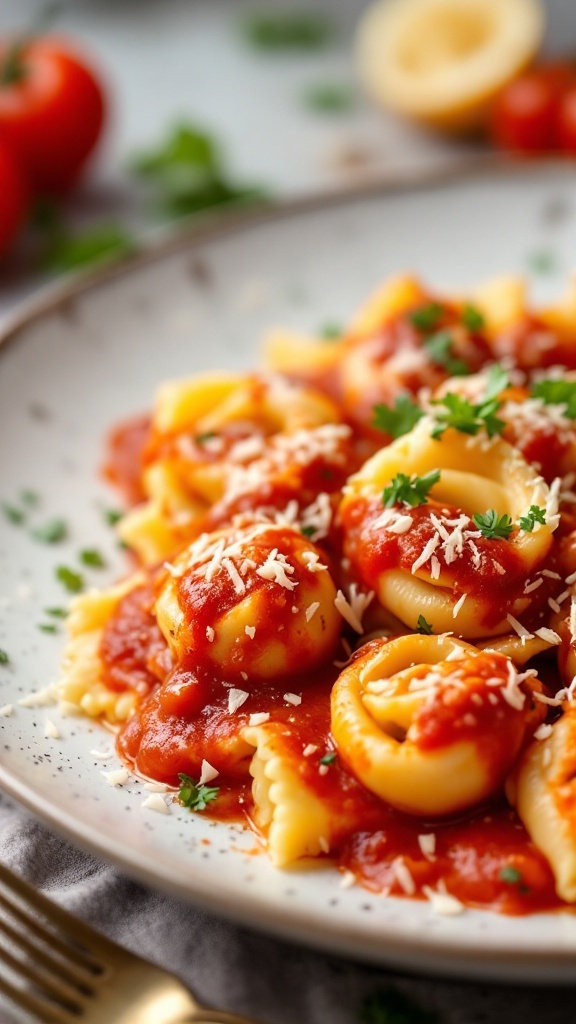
x,y
240,969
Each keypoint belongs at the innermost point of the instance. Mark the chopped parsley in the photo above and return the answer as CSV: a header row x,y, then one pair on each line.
x,y
472,318
52,532
424,627
112,516
557,392
13,515
4,657
29,497
71,580
398,419
534,515
92,558
65,251
541,262
329,97
308,531
427,317
469,418
56,613
195,796
493,526
438,348
48,627
409,490
207,436
186,173
290,30
331,332
328,758
511,875
390,1006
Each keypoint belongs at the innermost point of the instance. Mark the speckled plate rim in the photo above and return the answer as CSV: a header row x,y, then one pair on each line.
x,y
434,953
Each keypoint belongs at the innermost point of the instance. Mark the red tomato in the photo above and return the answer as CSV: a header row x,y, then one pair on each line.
x,y
52,113
567,121
524,117
13,197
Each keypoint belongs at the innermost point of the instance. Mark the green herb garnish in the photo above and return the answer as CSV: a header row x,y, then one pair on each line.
x,y
56,613
112,516
66,251
409,490
201,438
427,317
557,392
29,497
424,627
469,418
48,627
493,526
438,348
330,332
291,30
328,758
534,515
4,657
195,796
399,419
472,318
541,262
52,532
329,97
92,558
70,579
187,174
13,515
308,531
389,1006
511,875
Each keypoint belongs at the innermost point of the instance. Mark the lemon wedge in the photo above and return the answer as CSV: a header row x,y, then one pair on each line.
x,y
442,61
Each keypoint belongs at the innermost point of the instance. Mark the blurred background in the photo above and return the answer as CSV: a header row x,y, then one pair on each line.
x,y
216,102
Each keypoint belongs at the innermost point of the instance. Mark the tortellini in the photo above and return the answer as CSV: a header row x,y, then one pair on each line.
x,y
257,600
429,724
432,559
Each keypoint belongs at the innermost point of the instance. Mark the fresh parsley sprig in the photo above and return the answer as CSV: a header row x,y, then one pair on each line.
x,y
534,515
557,392
472,318
423,627
492,525
470,417
439,349
426,317
398,419
409,490
195,796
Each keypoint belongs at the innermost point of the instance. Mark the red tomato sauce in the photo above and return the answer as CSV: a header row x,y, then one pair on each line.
x,y
123,465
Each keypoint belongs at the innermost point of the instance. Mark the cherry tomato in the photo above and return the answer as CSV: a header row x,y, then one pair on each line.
x,y
525,113
567,121
14,196
51,111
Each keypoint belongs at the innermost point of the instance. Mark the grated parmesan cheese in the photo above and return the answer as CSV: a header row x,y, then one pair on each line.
x,y
51,730
236,699
207,773
259,717
293,698
117,777
156,802
311,610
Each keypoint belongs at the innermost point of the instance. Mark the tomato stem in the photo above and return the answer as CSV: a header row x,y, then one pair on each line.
x,y
13,67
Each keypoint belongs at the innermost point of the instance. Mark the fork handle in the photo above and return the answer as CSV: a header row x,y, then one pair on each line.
x,y
206,1016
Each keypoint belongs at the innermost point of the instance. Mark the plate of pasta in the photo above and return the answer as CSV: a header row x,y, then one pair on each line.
x,y
289,612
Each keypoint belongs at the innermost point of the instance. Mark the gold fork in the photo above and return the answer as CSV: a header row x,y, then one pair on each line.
x,y
72,973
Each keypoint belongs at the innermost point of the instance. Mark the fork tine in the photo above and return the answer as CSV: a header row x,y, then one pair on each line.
x,y
65,972
50,987
41,1010
74,929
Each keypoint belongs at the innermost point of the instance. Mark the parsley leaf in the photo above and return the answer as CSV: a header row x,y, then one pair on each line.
x,y
65,251
469,418
13,515
557,392
424,627
438,348
541,261
308,531
534,515
331,332
207,436
29,497
194,796
48,627
4,657
187,174
510,874
390,1006
329,97
51,532
56,613
328,758
112,515
92,558
71,580
472,318
409,490
493,526
399,419
427,317
293,30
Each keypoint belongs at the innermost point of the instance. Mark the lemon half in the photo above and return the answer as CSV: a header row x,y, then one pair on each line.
x,y
442,61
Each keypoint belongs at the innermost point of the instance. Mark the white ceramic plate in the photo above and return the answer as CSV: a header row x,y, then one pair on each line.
x,y
84,359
